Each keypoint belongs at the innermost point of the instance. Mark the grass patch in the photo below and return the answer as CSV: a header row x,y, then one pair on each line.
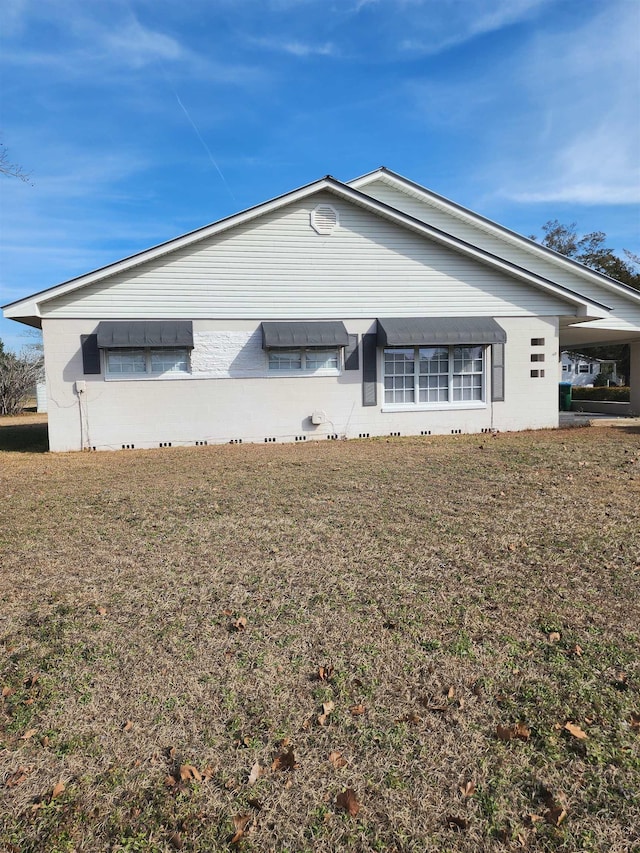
x,y
194,636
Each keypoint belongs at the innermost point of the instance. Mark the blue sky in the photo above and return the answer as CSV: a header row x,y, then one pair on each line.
x,y
140,120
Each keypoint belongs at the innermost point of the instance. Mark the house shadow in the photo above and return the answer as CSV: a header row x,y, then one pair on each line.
x,y
24,438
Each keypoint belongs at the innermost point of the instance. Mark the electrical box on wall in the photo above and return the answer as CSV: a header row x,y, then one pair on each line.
x,y
318,418
81,386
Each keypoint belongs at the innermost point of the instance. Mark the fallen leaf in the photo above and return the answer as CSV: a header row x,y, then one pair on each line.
x,y
327,708
7,691
325,673
102,611
337,760
576,731
240,624
576,650
18,777
58,789
357,710
189,772
621,681
555,815
227,612
285,760
554,637
634,721
169,781
348,802
411,717
451,692
29,734
240,822
127,726
458,823
468,789
30,681
256,772
175,841
519,731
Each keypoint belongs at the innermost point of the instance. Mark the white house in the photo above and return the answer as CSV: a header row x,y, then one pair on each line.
x,y
582,370
373,307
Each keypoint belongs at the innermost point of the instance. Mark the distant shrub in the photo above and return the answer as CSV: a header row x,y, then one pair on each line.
x,y
601,381
609,395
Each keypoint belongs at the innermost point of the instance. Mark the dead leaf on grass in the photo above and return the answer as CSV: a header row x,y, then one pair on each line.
x,y
240,624
555,815
576,731
127,726
357,710
175,841
517,731
58,789
348,802
325,673
240,822
188,772
327,708
634,722
337,760
30,681
7,691
554,637
468,789
451,692
256,772
411,717
29,734
285,760
17,777
457,823
101,611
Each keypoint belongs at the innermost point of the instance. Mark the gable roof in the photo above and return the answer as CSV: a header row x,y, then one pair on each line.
x,y
28,309
445,204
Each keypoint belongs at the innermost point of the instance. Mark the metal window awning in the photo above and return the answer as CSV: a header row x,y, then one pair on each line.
x,y
114,334
325,333
437,331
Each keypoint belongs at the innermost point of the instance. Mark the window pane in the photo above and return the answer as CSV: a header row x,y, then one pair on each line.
x,y
434,360
165,360
321,359
468,373
399,366
126,361
285,359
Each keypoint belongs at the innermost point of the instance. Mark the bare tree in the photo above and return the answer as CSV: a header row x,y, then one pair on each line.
x,y
18,376
12,170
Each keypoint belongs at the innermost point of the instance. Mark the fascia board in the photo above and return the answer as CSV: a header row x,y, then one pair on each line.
x,y
584,305
403,183
18,308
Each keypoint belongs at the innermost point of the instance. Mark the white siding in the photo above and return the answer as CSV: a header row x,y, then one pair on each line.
x,y
279,267
626,314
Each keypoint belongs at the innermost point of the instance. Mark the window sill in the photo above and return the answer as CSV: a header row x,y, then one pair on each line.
x,y
145,377
435,407
291,374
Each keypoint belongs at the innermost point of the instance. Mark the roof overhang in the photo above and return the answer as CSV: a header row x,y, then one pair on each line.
x,y
582,307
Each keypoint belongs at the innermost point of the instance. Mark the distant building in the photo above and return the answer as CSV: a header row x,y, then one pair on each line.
x,y
582,369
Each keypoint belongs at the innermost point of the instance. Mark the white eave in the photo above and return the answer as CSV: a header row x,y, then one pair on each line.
x,y
30,307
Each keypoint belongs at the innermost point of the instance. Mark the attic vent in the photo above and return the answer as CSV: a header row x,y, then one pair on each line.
x,y
324,218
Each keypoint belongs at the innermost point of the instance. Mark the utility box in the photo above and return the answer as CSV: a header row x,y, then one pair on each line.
x,y
565,397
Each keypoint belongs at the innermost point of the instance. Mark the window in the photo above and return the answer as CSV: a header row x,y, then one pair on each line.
x,y
537,356
147,361
583,368
566,368
537,342
310,360
431,375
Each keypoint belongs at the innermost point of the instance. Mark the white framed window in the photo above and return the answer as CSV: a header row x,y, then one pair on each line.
x,y
583,368
304,360
147,361
566,368
434,375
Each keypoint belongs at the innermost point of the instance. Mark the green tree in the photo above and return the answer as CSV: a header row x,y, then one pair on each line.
x,y
592,251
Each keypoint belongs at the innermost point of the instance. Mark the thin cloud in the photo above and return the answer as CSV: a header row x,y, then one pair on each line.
x,y
295,47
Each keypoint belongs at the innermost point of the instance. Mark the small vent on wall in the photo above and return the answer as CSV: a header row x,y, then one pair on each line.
x,y
324,219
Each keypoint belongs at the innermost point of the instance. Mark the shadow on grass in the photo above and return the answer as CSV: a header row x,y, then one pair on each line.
x,y
24,438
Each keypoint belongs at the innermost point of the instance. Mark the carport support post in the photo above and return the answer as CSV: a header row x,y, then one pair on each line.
x,y
634,378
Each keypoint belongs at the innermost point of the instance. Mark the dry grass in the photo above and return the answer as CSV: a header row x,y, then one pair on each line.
x,y
447,586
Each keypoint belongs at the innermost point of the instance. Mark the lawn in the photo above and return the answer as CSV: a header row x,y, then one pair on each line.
x,y
408,644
